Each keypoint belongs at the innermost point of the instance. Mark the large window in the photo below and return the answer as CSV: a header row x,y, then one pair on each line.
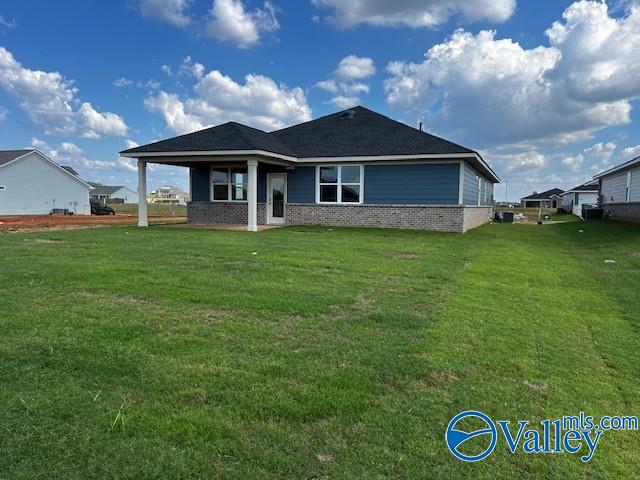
x,y
229,184
340,184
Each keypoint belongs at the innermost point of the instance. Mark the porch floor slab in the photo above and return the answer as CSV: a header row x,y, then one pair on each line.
x,y
222,226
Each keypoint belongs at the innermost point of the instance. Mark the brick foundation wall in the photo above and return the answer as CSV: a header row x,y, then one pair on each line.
x,y
626,212
230,213
476,216
440,218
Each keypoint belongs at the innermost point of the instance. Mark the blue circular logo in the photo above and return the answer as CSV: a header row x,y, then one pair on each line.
x,y
456,437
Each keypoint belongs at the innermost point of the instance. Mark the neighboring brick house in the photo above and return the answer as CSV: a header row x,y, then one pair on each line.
x,y
619,191
549,199
351,168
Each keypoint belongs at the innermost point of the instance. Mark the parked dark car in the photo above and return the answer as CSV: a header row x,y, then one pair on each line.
x,y
98,208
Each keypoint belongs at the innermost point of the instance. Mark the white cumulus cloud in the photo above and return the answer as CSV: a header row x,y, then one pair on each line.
x,y
231,21
259,102
490,91
414,13
174,12
48,100
346,84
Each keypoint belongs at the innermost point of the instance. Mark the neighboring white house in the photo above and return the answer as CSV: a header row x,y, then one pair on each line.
x,y
33,184
620,191
572,200
117,193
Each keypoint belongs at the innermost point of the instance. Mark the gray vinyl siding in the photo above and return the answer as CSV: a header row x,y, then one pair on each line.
x,y
635,185
200,183
426,184
301,185
614,188
35,186
489,200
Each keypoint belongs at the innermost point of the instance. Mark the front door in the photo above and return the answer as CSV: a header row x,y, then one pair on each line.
x,y
276,198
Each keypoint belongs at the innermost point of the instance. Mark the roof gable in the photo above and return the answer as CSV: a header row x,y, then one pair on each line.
x,y
343,136
623,166
361,132
545,195
354,132
226,137
17,156
7,156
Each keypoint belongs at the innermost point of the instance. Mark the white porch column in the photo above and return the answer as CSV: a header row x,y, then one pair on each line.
x,y
252,195
142,194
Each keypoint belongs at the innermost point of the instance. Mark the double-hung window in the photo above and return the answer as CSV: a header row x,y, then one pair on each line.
x,y
229,184
340,184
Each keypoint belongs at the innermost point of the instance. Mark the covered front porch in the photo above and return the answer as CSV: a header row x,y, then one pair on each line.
x,y
227,191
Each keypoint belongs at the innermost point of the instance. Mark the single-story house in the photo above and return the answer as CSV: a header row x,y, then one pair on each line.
x,y
351,168
571,201
548,199
619,189
113,193
168,194
33,184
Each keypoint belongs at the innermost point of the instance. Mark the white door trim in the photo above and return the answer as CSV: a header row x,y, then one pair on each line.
x,y
270,219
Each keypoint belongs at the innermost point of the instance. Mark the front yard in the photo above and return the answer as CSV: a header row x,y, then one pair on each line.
x,y
311,352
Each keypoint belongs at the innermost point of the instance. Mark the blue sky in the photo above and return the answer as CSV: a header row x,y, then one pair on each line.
x,y
546,90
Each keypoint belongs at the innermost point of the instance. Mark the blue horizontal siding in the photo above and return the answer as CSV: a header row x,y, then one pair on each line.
x,y
470,194
301,185
470,188
412,184
200,183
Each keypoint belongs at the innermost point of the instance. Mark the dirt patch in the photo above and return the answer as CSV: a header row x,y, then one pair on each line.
x,y
71,222
44,240
405,255
539,387
439,379
324,457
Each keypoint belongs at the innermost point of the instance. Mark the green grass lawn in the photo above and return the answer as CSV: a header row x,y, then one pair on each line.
x,y
311,352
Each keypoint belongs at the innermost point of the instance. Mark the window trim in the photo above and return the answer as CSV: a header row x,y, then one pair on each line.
x,y
628,188
339,183
229,183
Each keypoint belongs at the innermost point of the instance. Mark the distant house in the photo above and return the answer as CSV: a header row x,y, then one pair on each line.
x,y
33,184
548,199
168,194
619,189
571,201
352,168
113,193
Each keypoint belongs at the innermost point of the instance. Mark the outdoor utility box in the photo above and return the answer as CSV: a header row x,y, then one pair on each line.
x,y
507,217
592,213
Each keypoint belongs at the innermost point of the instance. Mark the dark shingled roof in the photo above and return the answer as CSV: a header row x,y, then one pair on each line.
x,y
70,170
544,195
361,132
228,136
7,155
587,187
354,132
